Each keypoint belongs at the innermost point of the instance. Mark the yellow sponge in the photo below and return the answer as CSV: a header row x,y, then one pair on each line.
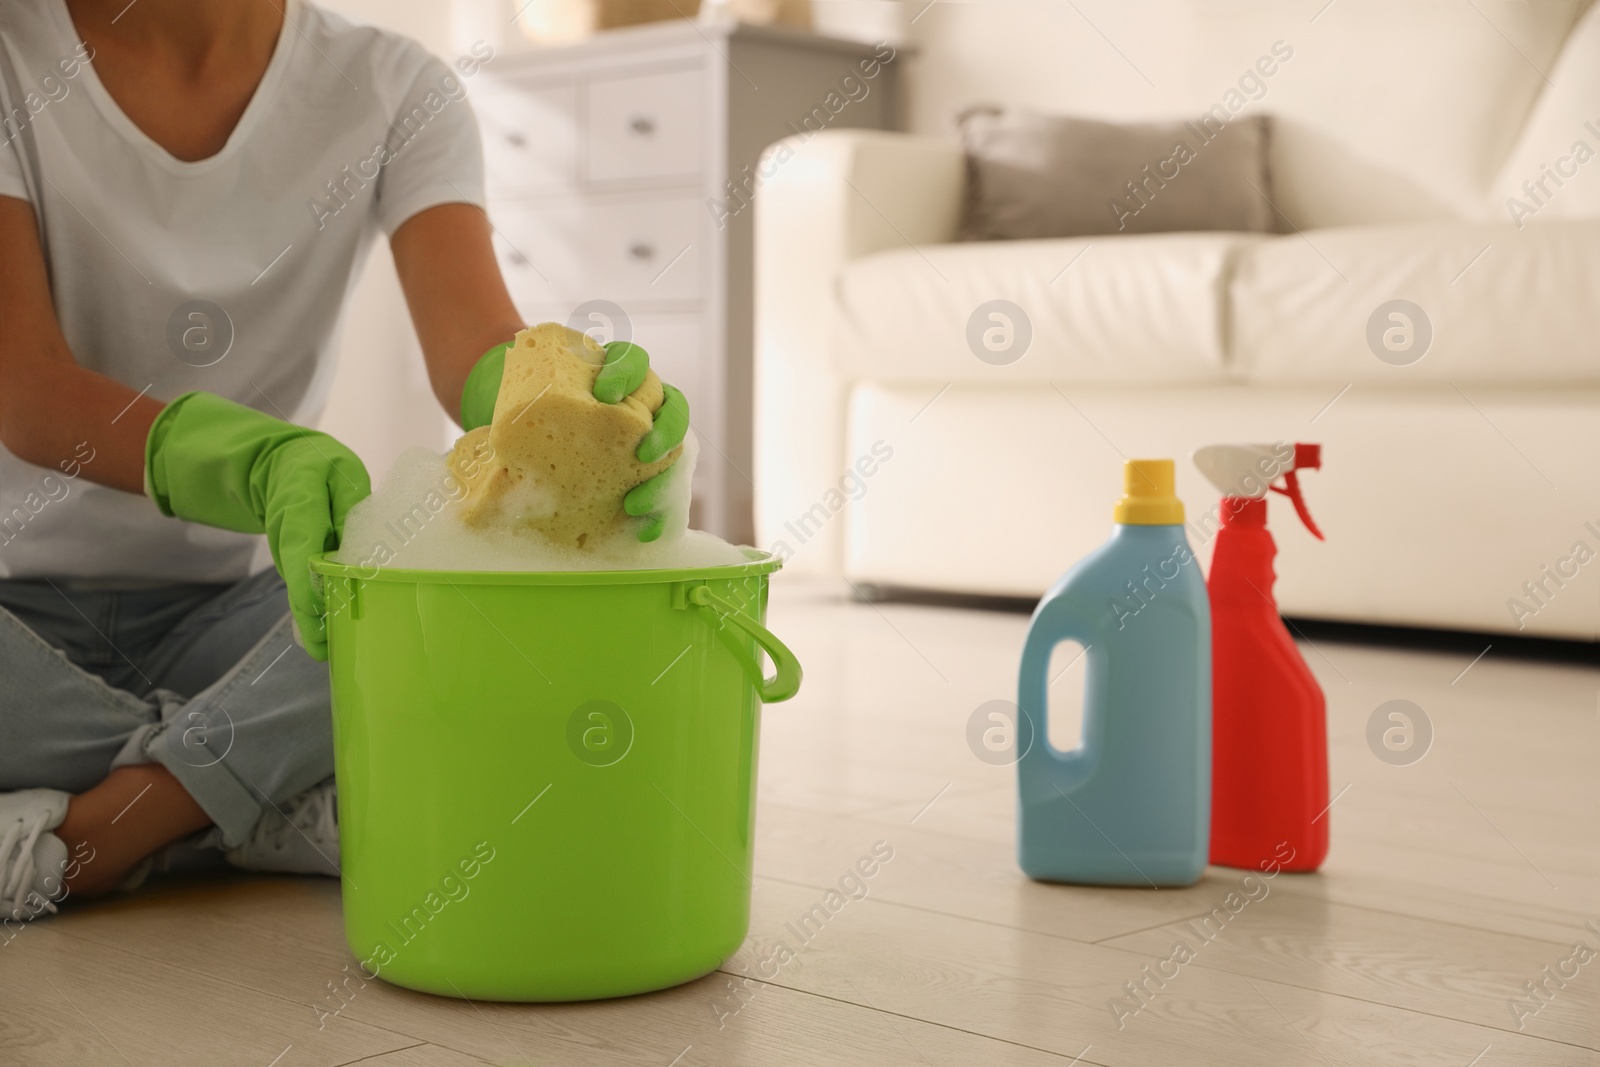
x,y
559,461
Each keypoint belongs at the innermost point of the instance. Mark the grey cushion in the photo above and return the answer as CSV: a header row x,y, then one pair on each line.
x,y
1031,175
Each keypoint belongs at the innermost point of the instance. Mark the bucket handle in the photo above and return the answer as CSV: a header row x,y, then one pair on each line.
x,y
782,685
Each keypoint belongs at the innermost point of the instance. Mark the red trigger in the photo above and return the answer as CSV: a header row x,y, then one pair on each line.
x,y
1293,493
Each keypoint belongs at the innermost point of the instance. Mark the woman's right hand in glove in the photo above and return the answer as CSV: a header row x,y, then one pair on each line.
x,y
212,461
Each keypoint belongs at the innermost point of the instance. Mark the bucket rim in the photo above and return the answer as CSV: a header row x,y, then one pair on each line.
x,y
758,563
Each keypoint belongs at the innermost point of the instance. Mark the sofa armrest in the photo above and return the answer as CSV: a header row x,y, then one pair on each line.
x,y
830,198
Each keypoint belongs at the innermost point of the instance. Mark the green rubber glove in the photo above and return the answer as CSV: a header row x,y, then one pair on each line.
x,y
483,388
648,497
212,461
624,371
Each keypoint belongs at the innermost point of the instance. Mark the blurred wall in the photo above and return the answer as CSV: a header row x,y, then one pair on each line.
x,y
1345,82
1131,61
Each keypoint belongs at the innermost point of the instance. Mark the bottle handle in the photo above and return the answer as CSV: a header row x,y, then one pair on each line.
x,y
1051,626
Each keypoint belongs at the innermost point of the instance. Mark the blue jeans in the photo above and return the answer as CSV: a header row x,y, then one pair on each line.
x,y
205,680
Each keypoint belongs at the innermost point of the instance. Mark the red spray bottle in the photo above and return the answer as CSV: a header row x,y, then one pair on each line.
x,y
1269,762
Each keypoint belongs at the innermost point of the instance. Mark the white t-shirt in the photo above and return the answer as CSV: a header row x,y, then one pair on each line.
x,y
227,274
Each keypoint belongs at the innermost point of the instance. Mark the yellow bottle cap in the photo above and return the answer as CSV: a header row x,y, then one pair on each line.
x,y
1147,498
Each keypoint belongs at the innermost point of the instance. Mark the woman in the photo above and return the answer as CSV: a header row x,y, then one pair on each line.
x,y
186,190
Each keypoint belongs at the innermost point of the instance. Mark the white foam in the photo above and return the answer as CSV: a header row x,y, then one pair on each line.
x,y
413,521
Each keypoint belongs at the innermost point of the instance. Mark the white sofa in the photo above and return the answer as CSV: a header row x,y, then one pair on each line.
x,y
1455,486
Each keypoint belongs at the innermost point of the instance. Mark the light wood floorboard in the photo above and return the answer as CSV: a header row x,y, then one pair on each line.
x,y
1451,883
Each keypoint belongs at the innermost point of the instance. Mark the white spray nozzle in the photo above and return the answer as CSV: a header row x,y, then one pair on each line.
x,y
1250,471
1244,470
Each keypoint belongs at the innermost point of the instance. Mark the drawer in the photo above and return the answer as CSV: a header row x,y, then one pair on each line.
x,y
645,126
577,249
529,135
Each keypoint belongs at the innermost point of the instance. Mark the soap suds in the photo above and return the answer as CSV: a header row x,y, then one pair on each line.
x,y
415,521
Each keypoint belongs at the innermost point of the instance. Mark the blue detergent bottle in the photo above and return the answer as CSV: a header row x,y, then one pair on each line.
x,y
1132,806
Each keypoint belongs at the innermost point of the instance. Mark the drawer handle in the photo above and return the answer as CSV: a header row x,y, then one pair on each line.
x,y
516,140
643,125
640,250
517,258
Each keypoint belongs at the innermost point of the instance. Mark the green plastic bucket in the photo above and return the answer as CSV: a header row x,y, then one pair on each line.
x,y
547,780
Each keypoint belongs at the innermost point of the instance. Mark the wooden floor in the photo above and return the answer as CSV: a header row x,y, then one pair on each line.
x,y
1452,883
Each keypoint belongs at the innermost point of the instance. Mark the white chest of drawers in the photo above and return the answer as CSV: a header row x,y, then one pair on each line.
x,y
609,166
